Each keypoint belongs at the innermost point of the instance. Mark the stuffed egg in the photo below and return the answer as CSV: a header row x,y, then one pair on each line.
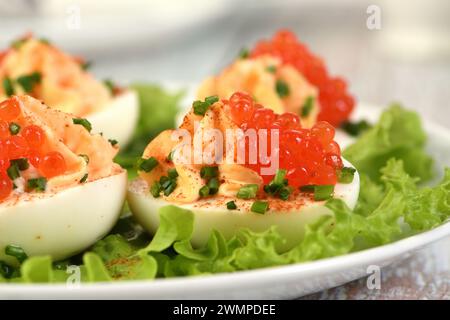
x,y
60,190
285,76
37,68
226,191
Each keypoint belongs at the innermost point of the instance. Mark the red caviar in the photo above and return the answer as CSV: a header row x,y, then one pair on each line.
x,y
52,164
335,102
310,156
28,142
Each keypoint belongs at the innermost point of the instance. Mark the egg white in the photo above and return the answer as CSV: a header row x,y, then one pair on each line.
x,y
118,119
64,223
208,215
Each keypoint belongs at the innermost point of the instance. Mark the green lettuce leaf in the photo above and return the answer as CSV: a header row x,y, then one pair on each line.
x,y
398,134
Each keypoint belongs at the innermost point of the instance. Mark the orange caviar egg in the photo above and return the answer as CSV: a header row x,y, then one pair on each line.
x,y
52,164
9,109
4,129
17,147
34,136
310,156
336,103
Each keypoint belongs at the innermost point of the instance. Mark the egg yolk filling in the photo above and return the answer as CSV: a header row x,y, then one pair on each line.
x,y
39,69
284,75
293,162
43,149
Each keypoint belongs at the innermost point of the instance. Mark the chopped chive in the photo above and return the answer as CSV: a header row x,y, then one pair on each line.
x,y
8,87
323,192
84,178
170,188
13,171
167,185
346,174
16,44
307,107
113,142
16,252
355,128
282,88
170,156
6,271
260,207
200,107
37,184
307,188
147,165
27,82
209,172
86,65
244,53
279,185
279,177
284,193
248,191
109,84
172,173
22,163
204,191
231,205
211,99
84,122
213,186
271,69
155,189
14,128
85,157
44,41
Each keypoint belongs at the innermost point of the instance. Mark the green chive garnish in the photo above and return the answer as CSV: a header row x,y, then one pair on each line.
x,y
113,142
84,178
282,88
323,192
278,186
213,186
84,122
307,107
248,191
244,53
85,158
155,189
204,191
16,44
284,193
172,173
6,271
8,87
346,174
307,188
260,207
231,205
16,252
355,128
170,156
110,85
44,41
86,65
22,163
28,82
209,172
13,171
37,184
167,185
14,128
147,165
200,107
271,69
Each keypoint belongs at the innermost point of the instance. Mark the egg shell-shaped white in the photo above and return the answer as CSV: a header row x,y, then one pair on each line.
x,y
208,216
118,119
64,223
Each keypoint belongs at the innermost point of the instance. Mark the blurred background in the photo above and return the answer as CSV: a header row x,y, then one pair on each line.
x,y
388,50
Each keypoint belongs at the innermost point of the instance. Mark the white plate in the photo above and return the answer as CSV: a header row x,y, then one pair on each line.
x,y
270,283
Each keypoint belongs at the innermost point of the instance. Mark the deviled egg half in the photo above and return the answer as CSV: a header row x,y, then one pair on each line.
x,y
60,190
39,69
285,76
231,193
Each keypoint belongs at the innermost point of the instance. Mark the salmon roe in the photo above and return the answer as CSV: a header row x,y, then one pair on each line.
x,y
310,156
336,103
27,142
